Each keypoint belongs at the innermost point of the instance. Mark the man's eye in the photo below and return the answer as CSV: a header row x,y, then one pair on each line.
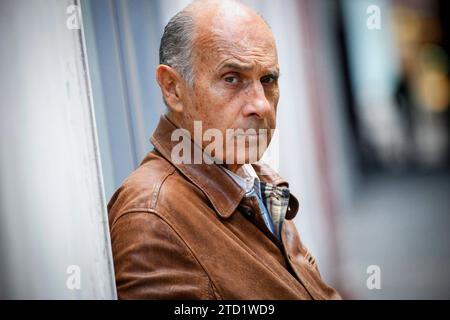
x,y
267,79
231,79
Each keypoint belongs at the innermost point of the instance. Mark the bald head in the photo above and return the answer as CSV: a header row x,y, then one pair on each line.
x,y
204,23
222,13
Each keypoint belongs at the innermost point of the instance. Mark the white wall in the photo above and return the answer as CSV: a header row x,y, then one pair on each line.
x,y
52,206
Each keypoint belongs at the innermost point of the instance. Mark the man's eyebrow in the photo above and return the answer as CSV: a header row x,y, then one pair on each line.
x,y
245,68
235,66
275,72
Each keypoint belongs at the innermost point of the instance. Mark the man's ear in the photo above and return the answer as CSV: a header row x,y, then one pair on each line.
x,y
170,82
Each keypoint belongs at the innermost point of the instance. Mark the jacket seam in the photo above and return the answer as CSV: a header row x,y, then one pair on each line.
x,y
194,256
154,197
205,289
158,186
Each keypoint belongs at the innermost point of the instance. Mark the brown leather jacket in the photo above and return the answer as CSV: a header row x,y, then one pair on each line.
x,y
187,232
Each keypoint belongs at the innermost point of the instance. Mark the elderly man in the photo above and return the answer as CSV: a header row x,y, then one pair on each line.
x,y
218,228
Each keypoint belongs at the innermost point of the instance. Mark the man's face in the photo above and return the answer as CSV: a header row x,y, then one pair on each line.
x,y
236,73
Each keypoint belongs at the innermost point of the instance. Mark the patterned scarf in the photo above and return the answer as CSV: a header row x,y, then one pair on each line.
x,y
276,200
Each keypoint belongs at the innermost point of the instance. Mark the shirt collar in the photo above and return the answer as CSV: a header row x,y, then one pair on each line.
x,y
246,178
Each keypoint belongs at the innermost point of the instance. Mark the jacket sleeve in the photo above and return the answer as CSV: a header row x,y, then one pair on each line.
x,y
152,262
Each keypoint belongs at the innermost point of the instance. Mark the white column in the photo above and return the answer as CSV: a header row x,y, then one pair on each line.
x,y
53,220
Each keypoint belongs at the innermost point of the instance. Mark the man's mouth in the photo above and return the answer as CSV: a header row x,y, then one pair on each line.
x,y
248,134
251,133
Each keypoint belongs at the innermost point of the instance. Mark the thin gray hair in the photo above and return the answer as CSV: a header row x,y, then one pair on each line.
x,y
177,43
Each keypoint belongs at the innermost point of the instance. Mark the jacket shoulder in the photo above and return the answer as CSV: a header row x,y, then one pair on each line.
x,y
140,189
155,186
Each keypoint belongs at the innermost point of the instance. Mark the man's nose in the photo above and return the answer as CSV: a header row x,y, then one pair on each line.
x,y
256,102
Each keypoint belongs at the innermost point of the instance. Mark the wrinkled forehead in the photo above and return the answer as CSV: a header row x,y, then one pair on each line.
x,y
247,39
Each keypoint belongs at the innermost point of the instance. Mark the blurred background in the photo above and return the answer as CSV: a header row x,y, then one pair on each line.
x,y
363,122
